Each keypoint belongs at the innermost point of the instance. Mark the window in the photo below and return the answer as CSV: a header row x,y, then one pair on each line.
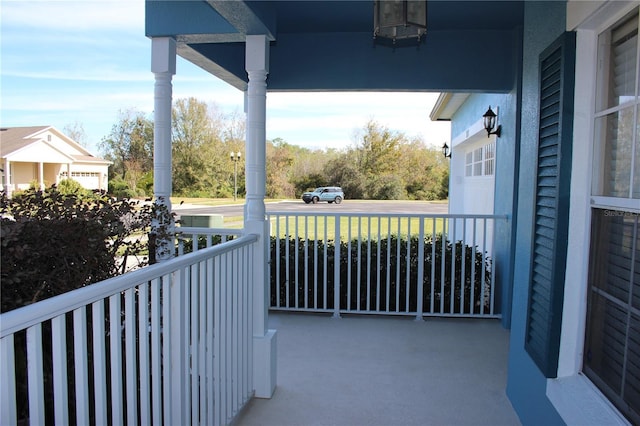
x,y
480,162
612,339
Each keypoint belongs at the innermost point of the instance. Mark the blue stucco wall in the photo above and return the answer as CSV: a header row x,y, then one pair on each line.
x,y
505,181
526,386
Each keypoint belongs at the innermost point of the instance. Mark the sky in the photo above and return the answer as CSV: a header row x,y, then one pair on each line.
x,y
66,62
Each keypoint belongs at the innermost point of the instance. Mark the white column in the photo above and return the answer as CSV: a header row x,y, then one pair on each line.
x,y
41,175
264,340
8,186
163,66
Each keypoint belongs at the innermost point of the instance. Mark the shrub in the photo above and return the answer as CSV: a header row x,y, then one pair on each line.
x,y
53,242
400,277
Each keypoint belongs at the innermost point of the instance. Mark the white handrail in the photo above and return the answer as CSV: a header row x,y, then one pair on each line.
x,y
22,318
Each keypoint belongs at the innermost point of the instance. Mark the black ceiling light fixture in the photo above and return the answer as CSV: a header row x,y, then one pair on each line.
x,y
399,23
489,121
446,151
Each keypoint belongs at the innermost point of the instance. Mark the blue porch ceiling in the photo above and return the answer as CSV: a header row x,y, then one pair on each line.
x,y
327,45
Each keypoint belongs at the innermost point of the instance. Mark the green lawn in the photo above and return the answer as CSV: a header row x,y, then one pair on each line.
x,y
324,227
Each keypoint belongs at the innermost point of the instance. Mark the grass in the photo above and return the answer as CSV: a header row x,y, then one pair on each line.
x,y
324,227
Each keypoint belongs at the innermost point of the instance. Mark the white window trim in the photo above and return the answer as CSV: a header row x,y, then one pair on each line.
x,y
572,392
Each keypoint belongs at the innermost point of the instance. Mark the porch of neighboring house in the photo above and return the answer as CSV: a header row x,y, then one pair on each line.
x,y
360,370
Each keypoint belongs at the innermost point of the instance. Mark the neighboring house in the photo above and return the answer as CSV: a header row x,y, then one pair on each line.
x,y
565,171
43,155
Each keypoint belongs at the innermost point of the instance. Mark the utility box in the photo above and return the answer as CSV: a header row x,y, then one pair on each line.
x,y
202,221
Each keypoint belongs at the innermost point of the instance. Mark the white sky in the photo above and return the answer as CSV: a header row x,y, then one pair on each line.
x,y
84,61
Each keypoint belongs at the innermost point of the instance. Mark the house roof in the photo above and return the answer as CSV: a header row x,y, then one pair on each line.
x,y
446,105
15,139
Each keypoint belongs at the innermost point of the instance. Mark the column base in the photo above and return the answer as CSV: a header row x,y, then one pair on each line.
x,y
265,356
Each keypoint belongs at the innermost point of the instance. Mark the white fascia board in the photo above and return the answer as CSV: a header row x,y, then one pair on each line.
x,y
39,152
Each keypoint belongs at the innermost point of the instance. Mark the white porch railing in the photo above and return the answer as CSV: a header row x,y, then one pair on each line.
x,y
397,264
191,238
167,344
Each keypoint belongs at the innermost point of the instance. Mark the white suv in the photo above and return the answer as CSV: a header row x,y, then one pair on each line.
x,y
329,194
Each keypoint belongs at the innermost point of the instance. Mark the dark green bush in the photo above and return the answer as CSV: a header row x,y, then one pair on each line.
x,y
53,242
363,292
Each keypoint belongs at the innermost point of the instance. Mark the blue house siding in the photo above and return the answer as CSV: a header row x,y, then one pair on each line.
x,y
505,183
544,22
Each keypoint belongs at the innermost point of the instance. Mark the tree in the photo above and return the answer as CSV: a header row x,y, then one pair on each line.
x,y
76,132
279,163
197,149
130,147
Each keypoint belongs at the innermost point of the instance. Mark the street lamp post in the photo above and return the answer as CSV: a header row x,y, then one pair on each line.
x,y
235,157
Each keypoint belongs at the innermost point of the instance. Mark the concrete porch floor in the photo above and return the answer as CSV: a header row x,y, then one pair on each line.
x,y
362,371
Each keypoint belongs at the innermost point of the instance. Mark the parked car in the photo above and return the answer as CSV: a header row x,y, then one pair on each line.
x,y
329,194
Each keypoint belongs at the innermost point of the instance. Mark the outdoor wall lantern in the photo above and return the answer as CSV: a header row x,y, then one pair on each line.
x,y
489,121
399,23
446,151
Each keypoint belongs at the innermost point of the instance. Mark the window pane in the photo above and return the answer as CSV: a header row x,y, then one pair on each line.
x,y
477,154
636,167
612,162
618,58
612,346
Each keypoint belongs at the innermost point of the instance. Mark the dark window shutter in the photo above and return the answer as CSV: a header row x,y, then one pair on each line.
x,y
551,218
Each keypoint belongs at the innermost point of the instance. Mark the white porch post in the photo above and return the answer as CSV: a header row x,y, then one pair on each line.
x,y
163,66
8,186
41,176
264,340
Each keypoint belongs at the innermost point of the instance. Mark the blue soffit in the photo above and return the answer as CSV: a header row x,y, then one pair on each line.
x,y
328,45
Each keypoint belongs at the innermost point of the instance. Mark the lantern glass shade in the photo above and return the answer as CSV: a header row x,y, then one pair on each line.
x,y
489,120
397,20
445,150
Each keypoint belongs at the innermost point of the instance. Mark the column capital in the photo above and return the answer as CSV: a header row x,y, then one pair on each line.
x,y
163,55
257,53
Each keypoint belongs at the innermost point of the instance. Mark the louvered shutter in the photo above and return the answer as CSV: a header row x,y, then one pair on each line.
x,y
553,174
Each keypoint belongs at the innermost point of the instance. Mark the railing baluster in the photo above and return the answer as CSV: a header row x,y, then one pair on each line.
x,y
81,365
463,267
315,263
194,343
35,375
408,260
325,255
218,343
8,377
99,362
144,353
115,344
297,264
277,262
349,254
379,265
472,298
359,272
202,340
388,277
399,261
369,264
59,354
130,348
337,285
420,280
306,262
211,354
156,350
